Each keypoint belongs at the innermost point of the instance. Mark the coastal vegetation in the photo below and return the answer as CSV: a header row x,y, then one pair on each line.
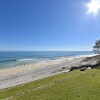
x,y
74,85
96,48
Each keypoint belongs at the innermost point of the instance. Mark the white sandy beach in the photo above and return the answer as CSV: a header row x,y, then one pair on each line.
x,y
26,73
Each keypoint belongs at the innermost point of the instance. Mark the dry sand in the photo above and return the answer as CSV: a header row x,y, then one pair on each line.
x,y
26,73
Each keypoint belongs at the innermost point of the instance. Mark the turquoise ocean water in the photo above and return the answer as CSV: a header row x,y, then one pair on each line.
x,y
15,58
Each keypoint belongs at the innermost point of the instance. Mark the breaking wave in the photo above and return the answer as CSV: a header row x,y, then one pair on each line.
x,y
26,59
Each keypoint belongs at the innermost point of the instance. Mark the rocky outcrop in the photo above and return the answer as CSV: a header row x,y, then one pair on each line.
x,y
89,62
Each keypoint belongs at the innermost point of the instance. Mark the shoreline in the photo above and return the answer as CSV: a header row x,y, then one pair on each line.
x,y
14,76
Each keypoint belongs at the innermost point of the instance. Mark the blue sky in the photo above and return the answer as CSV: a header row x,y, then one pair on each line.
x,y
47,25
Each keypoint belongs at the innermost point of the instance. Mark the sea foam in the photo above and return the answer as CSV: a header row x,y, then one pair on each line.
x,y
26,59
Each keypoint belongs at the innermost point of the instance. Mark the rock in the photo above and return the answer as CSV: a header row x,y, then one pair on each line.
x,y
83,69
